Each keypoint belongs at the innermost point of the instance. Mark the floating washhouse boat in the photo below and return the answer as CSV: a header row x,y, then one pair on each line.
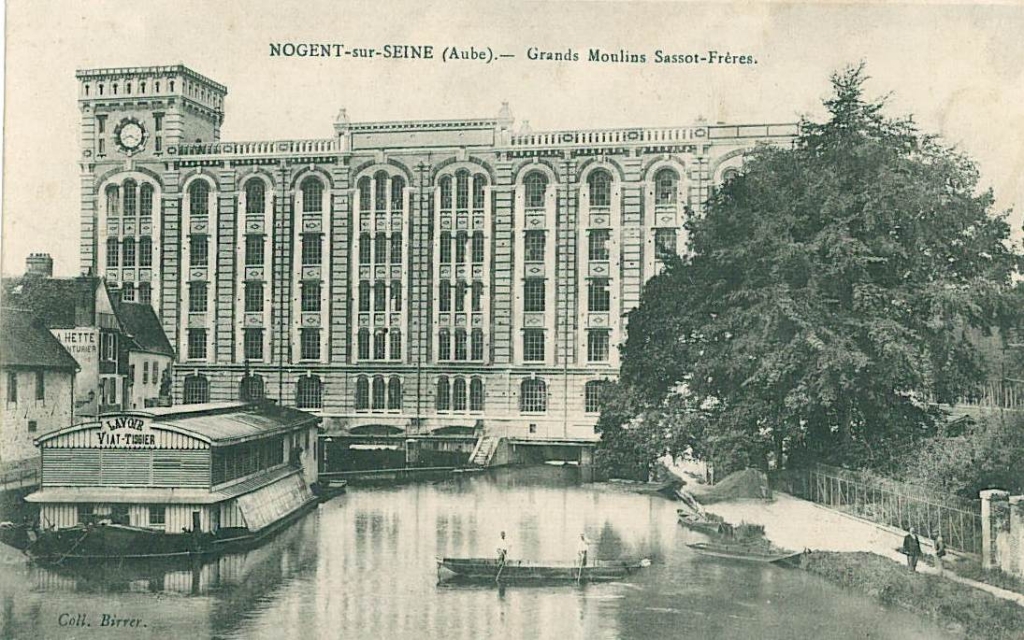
x,y
489,570
201,478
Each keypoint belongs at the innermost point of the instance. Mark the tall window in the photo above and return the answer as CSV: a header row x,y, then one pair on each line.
x,y
312,249
362,394
312,195
196,390
198,198
444,296
40,385
395,346
459,395
462,189
533,396
664,243
113,201
309,393
364,296
380,296
533,294
443,394
254,250
113,252
380,191
146,200
460,296
197,344
396,295
145,251
592,395
145,293
377,401
533,345
460,344
535,183
253,344
446,247
365,248
380,345
251,389
12,386
597,345
253,297
446,192
396,248
479,183
478,247
130,203
666,182
460,247
600,182
397,189
598,295
444,345
533,246
311,295
478,294
197,297
395,394
309,344
129,252
128,292
364,194
476,394
363,345
255,196
380,249
199,251
477,350
598,241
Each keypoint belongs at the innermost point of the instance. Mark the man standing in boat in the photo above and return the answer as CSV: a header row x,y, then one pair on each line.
x,y
502,549
582,547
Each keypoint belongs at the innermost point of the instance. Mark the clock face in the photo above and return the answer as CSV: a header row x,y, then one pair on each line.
x,y
131,135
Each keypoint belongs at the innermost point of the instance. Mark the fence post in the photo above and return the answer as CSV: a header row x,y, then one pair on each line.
x,y
995,519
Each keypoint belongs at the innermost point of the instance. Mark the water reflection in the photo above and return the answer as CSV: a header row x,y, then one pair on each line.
x,y
363,566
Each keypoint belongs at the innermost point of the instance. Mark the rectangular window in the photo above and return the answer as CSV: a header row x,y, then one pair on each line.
x,y
396,248
309,344
197,298
253,344
592,396
311,249
380,296
158,144
145,293
364,296
157,515
444,296
460,344
101,124
197,344
380,249
253,297
664,243
364,344
101,147
129,252
33,426
199,251
460,248
145,251
599,244
444,345
310,296
598,295
477,348
254,250
478,247
145,373
365,248
597,346
380,345
533,345
446,247
533,246
40,385
460,297
478,294
158,121
12,386
533,294
396,295
128,292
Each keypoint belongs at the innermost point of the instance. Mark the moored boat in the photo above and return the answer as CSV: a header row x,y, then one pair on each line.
x,y
699,523
490,570
747,553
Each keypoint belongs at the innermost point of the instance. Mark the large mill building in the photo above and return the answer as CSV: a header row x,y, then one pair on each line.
x,y
412,275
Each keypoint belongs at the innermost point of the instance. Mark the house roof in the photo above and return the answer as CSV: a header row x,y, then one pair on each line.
x,y
59,303
27,343
143,327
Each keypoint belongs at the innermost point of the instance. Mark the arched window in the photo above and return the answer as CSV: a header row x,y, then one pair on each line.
x,y
362,394
730,174
196,390
395,394
129,252
462,189
380,344
446,192
309,393
479,182
312,195
130,202
459,395
443,394
378,394
397,191
533,396
146,200
255,194
364,193
600,183
199,198
113,252
113,200
592,395
380,191
364,344
666,183
476,394
395,347
536,184
251,388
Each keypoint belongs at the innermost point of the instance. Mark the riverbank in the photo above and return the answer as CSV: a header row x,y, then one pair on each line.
x,y
959,608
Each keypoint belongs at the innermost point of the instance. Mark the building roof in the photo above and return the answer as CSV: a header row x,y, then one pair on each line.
x,y
143,328
27,343
59,303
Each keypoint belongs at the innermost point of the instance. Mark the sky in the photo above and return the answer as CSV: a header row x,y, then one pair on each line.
x,y
958,69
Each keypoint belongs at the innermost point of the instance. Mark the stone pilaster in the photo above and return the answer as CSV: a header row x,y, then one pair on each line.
x,y
995,524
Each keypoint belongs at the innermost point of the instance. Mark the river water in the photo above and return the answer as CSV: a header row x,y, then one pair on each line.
x,y
363,566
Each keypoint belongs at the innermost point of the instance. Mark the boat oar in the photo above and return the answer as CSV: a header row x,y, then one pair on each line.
x,y
501,565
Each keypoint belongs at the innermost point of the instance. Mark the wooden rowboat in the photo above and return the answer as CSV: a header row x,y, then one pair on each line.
x,y
742,552
487,570
698,523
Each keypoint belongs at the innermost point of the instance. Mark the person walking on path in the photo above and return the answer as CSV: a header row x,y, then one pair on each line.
x,y
912,547
940,553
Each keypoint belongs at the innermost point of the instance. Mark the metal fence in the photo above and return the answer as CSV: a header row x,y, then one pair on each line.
x,y
887,502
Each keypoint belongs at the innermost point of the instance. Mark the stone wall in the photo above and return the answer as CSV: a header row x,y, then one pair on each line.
x,y
1002,522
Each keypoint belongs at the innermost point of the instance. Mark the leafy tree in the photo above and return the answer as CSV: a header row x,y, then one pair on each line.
x,y
828,293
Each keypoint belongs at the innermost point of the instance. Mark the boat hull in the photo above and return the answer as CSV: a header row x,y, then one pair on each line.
x,y
745,554
488,570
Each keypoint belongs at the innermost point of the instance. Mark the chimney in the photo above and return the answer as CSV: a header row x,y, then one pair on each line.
x,y
39,265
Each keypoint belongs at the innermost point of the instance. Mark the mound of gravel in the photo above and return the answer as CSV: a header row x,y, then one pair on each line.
x,y
749,483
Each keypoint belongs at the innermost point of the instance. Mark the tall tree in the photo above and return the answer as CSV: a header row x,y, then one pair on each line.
x,y
827,294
